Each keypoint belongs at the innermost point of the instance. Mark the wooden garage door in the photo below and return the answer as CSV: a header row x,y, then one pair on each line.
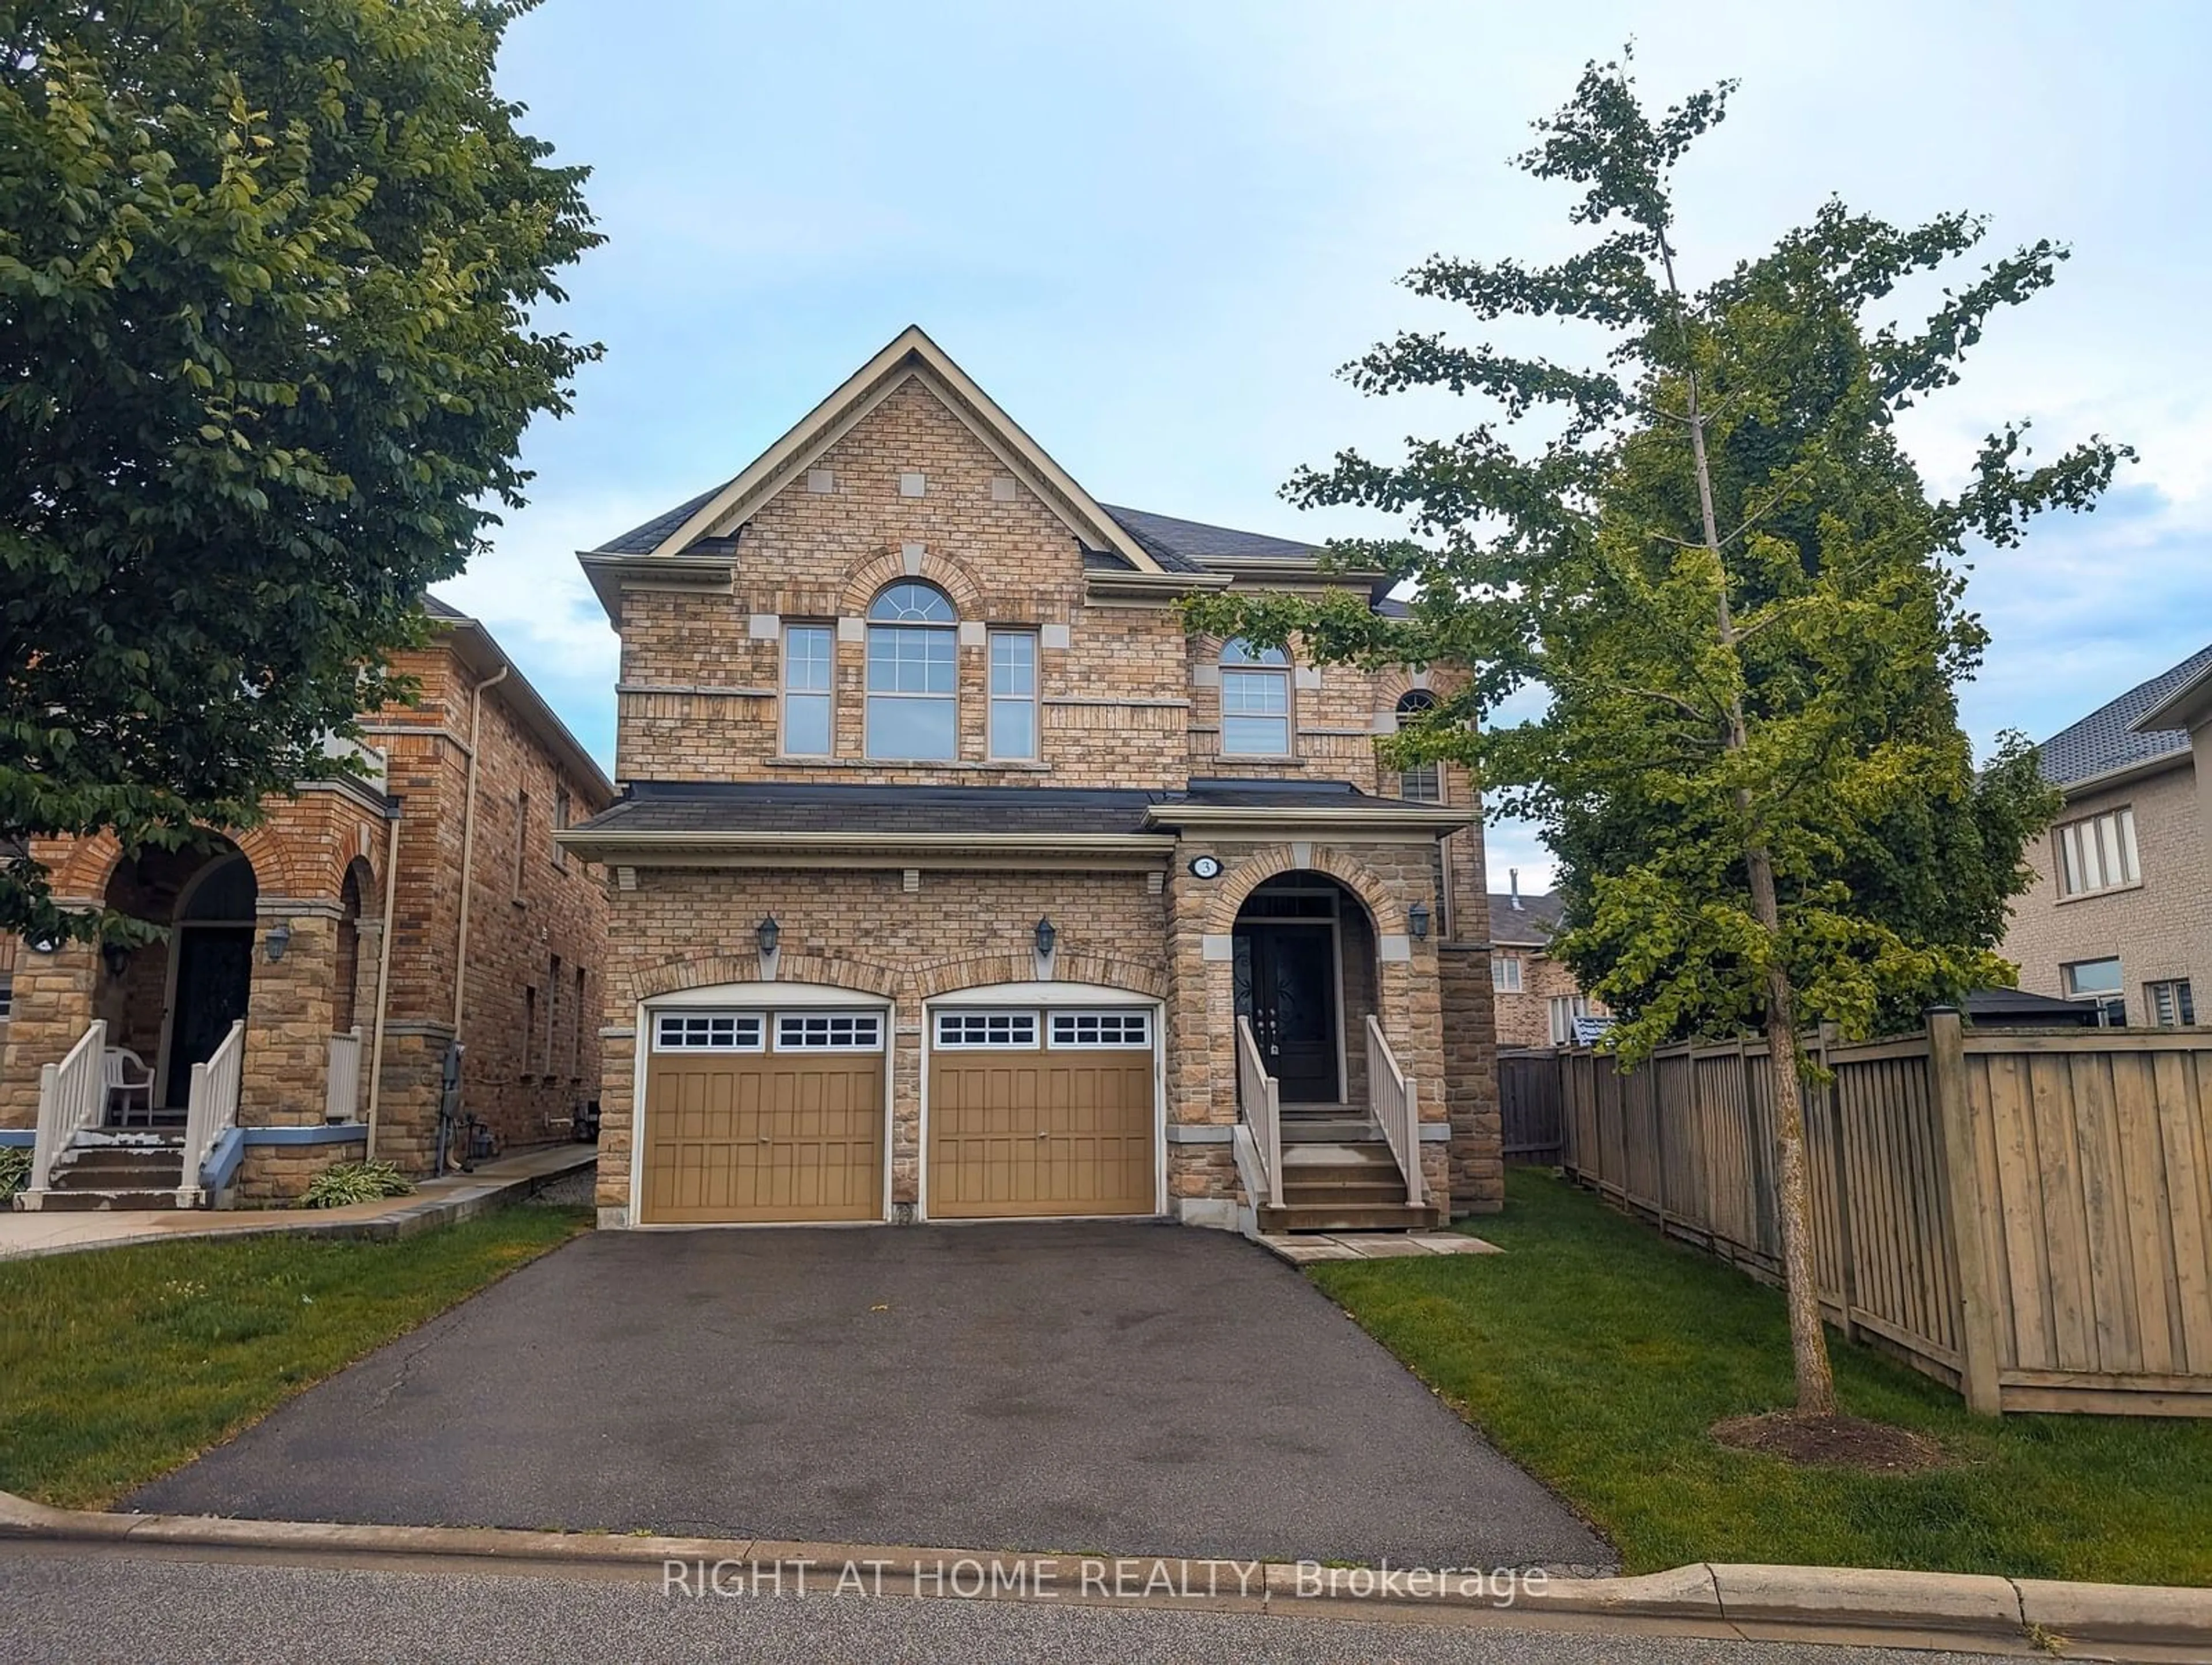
x,y
771,1133
1030,1130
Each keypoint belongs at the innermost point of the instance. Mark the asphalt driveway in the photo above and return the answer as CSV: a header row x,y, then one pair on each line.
x,y
1141,1389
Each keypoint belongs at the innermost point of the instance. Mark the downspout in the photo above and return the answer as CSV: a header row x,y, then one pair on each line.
x,y
469,843
383,981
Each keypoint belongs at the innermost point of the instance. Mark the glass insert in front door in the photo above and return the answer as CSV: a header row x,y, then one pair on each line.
x,y
1286,983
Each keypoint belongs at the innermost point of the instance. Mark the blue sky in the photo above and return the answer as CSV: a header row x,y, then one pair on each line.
x,y
1153,231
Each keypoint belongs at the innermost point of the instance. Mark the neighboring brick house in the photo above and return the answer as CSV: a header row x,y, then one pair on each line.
x,y
1537,997
314,1040
2120,913
947,861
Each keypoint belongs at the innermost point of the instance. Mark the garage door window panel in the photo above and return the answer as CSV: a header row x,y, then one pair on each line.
x,y
971,1031
1108,1030
709,1031
829,1031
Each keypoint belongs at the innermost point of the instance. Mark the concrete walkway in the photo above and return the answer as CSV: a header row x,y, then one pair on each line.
x,y
434,1202
1308,1247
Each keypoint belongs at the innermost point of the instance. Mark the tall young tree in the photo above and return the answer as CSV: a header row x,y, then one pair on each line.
x,y
1743,604
267,280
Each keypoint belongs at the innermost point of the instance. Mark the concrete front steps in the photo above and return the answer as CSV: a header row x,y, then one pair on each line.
x,y
1343,1180
131,1170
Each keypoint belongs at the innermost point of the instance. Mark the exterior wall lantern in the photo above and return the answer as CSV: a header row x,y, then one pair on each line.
x,y
116,956
279,939
767,935
1046,936
1417,920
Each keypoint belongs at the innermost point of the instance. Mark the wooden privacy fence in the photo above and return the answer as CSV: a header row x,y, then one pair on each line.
x,y
2026,1217
1528,1105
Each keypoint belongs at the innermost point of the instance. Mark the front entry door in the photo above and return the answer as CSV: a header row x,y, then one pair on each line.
x,y
214,967
1287,985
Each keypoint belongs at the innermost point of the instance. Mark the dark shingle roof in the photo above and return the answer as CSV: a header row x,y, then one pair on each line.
x,y
746,807
1191,545
645,539
2102,742
1534,921
437,609
671,806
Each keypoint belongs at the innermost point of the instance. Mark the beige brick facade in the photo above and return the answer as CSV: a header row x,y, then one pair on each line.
x,y
2159,927
1126,700
323,864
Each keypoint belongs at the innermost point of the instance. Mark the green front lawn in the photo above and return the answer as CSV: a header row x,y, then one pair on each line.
x,y
1598,1355
119,1364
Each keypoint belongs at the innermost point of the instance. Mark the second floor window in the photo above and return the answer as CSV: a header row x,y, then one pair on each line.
x,y
1505,974
913,675
2098,854
808,653
1255,701
1424,783
1013,695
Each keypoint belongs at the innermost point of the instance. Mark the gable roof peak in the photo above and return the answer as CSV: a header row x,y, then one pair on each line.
x,y
909,353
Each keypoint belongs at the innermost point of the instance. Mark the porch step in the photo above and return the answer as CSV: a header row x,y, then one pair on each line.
x,y
1328,1130
61,1201
142,1173
1343,1183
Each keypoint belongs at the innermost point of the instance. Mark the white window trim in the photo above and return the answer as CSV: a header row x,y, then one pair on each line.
x,y
1516,984
869,693
872,1015
2088,831
1140,1015
962,1014
1289,719
758,1019
784,689
1034,699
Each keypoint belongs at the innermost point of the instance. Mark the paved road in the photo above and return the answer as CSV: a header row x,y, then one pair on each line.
x,y
90,1607
1125,1389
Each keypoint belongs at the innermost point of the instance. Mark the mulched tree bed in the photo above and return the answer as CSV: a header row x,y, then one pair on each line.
x,y
1832,1442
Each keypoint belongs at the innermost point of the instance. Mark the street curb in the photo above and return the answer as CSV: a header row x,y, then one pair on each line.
x,y
1846,1604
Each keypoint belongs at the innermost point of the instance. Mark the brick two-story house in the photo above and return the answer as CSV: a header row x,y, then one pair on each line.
x,y
1538,1000
314,971
2120,913
947,863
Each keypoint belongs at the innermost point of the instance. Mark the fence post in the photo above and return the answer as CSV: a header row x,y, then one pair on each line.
x,y
1847,1260
1955,1136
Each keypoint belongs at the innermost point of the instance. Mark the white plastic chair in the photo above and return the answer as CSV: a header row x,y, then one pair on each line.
x,y
127,1077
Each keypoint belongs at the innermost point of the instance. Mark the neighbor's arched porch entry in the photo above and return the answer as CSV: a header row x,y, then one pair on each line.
x,y
170,1002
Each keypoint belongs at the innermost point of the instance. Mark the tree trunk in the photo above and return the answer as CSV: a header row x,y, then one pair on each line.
x,y
1808,1342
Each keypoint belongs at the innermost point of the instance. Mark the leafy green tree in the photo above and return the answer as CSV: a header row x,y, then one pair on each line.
x,y
1744,605
267,282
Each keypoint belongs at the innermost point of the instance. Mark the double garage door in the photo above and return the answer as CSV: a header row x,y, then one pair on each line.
x,y
765,1117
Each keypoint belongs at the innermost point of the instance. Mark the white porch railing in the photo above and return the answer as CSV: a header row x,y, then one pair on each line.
x,y
1390,1089
211,1110
72,1097
342,1101
1260,1121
